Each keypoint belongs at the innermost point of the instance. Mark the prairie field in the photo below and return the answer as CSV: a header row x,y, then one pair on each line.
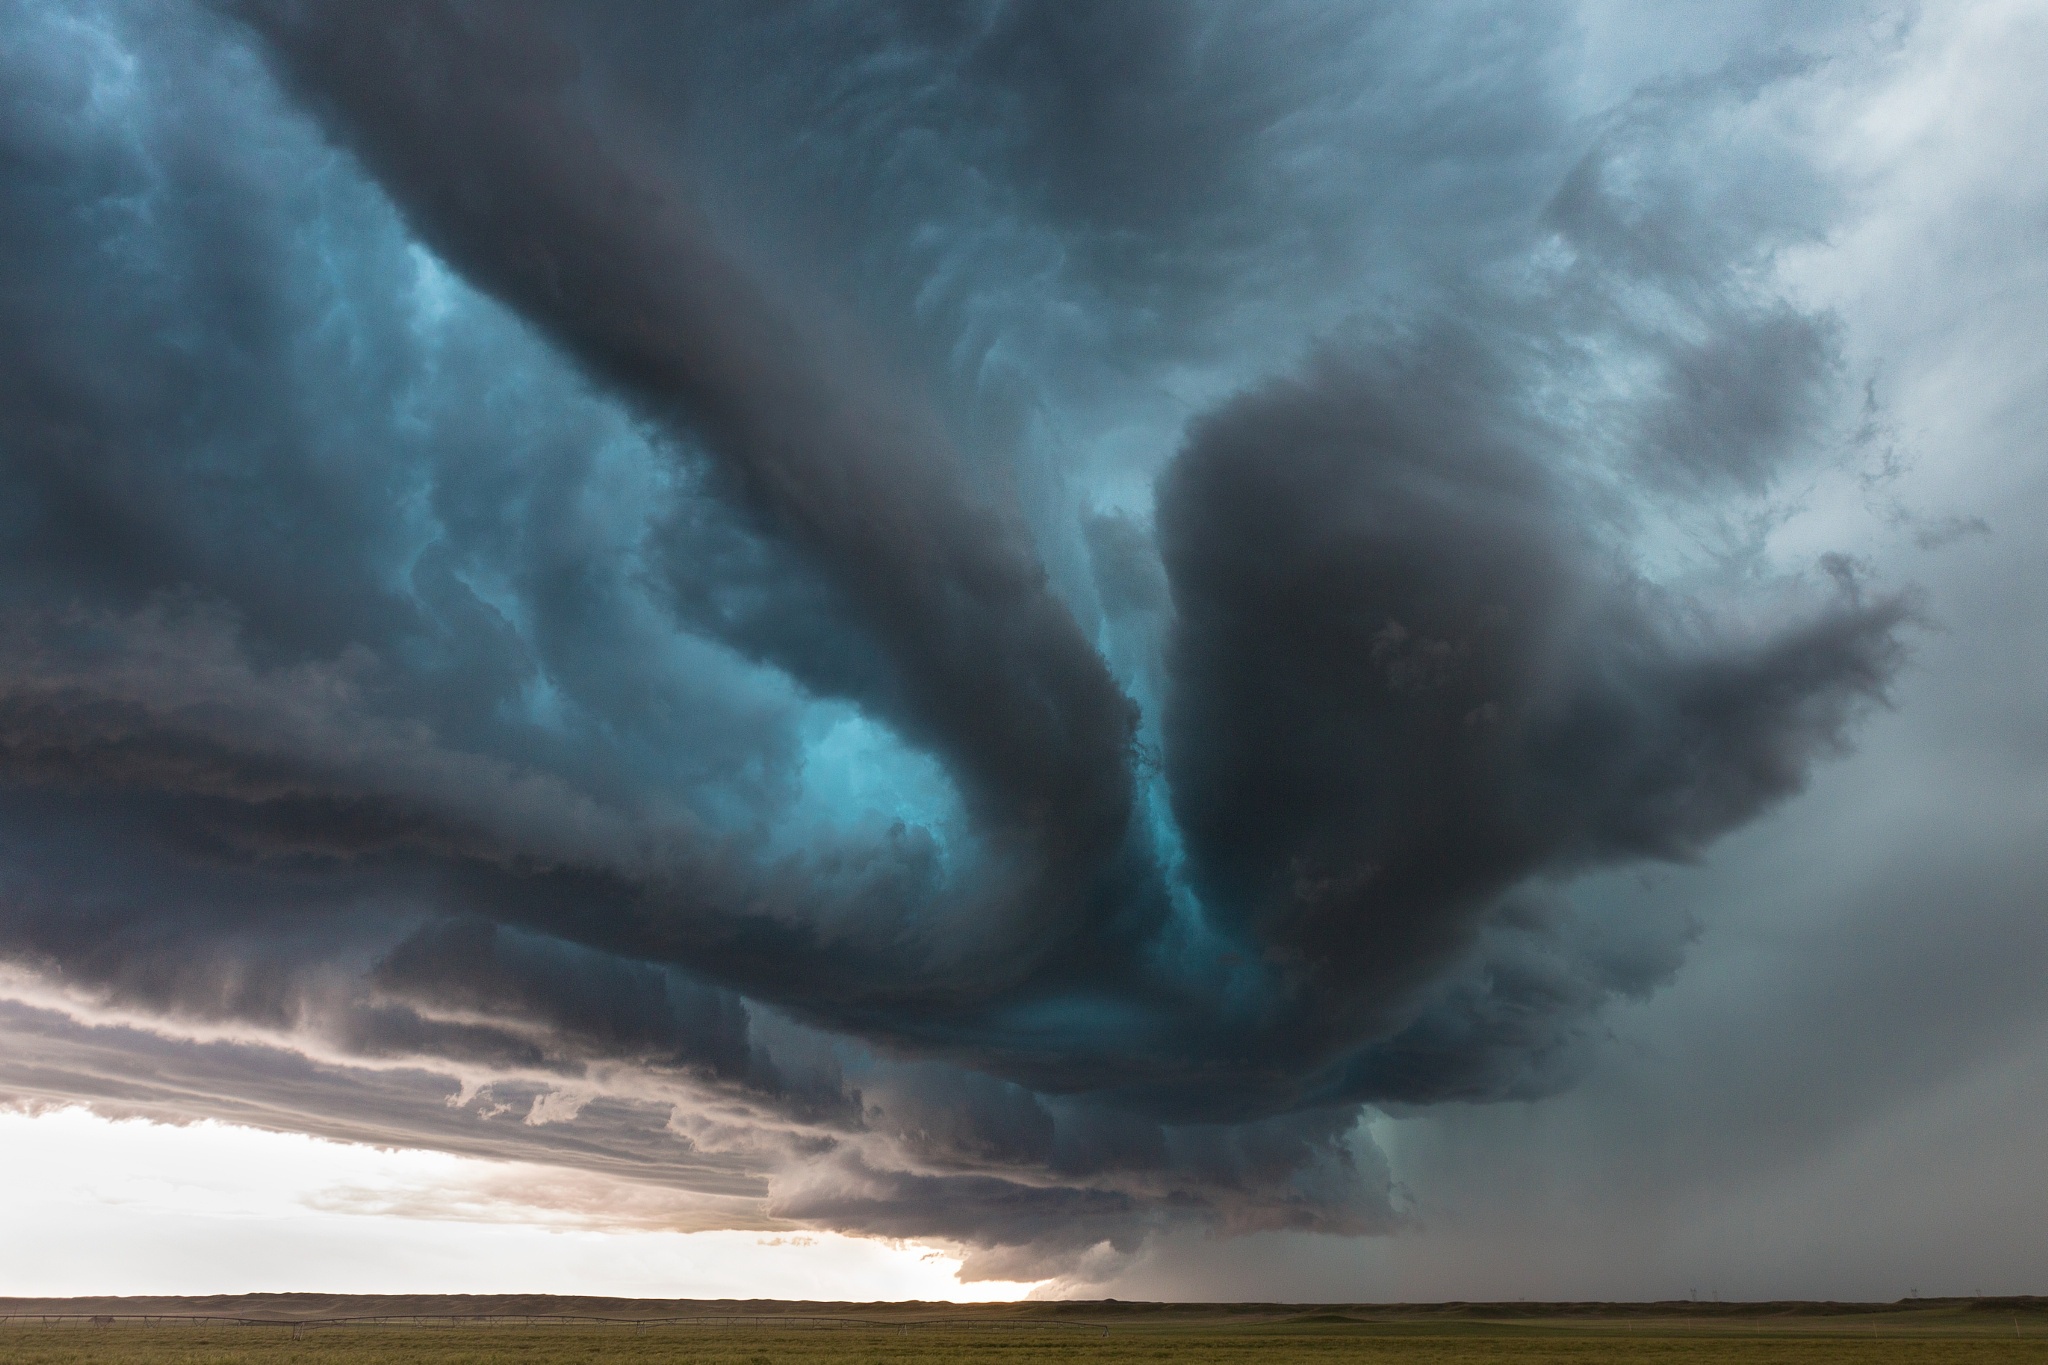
x,y
548,1346
179,1333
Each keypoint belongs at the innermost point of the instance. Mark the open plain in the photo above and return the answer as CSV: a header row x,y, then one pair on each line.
x,y
304,1329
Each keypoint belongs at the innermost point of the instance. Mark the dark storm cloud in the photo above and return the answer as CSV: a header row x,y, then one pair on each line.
x,y
521,193
1295,1172
536,562
1403,681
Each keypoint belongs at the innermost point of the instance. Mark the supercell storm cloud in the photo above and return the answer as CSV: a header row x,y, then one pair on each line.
x,y
974,622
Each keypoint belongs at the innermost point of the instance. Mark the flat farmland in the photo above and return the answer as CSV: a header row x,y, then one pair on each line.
x,y
197,1333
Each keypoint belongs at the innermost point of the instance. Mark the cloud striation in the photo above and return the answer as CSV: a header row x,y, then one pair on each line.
x,y
978,624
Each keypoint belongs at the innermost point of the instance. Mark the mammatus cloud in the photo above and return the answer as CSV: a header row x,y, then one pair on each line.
x,y
503,587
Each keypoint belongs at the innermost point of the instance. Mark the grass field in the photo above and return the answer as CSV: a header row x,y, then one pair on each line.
x,y
1930,1331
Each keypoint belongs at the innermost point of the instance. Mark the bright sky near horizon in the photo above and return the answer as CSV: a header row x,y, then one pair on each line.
x,y
101,1206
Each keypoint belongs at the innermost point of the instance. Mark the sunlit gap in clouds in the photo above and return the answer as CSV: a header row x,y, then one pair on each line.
x,y
101,1206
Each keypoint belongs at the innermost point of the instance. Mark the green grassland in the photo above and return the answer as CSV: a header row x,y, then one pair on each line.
x,y
1933,1331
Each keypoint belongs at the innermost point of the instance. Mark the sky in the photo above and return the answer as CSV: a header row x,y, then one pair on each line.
x,y
1166,650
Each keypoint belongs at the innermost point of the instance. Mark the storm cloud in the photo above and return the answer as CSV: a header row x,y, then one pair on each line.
x,y
992,623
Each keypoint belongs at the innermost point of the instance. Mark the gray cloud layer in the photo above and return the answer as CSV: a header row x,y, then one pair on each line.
x,y
974,624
